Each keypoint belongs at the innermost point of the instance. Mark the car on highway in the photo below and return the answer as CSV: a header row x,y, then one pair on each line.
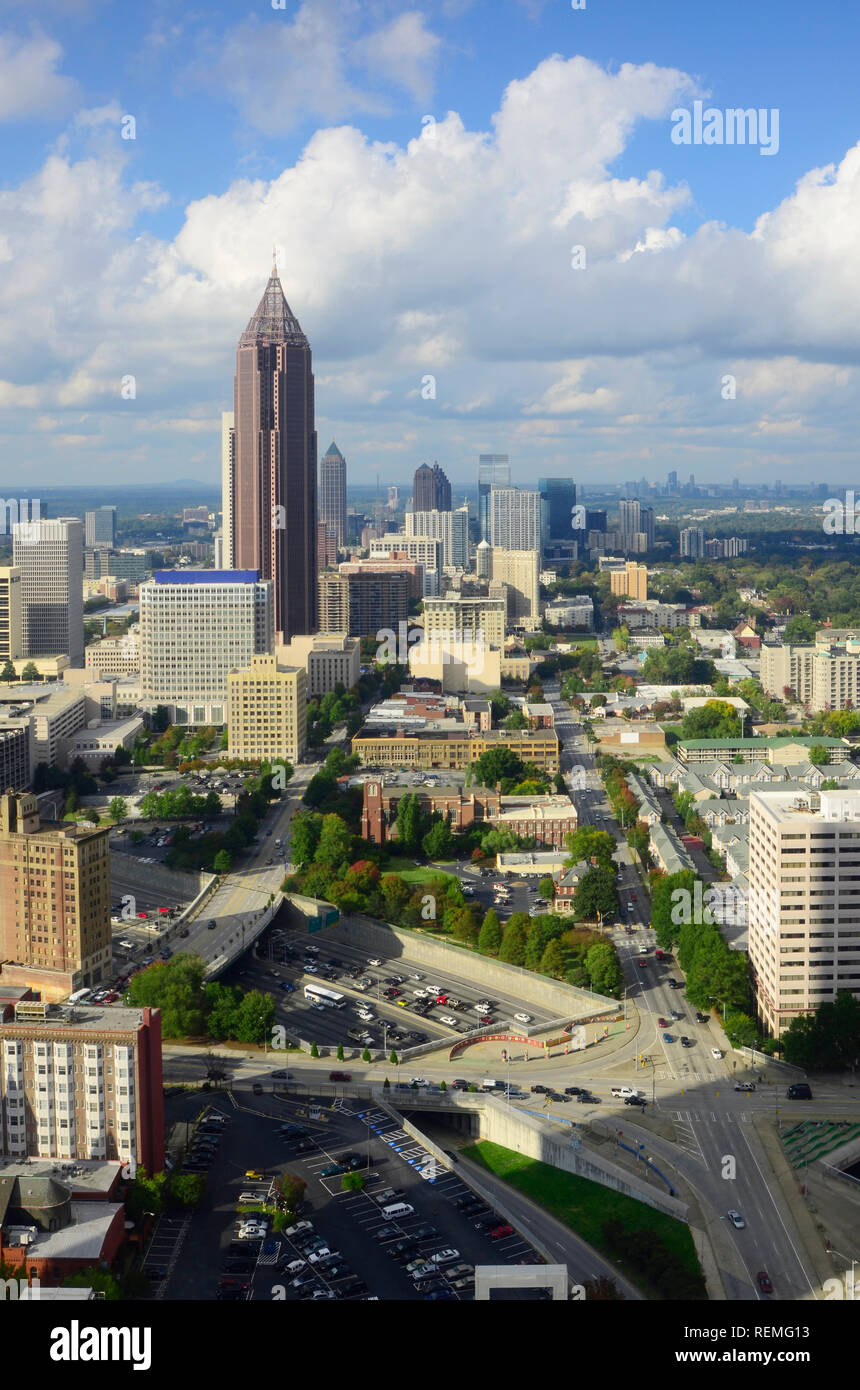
x,y
687,1042
586,1099
746,1086
211,925
636,1100
373,960
340,1076
716,1054
523,1018
764,1281
736,1219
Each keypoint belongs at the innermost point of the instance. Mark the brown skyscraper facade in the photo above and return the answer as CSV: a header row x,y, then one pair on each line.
x,y
274,461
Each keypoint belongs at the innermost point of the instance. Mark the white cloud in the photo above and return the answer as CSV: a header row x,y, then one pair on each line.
x,y
30,86
405,52
450,255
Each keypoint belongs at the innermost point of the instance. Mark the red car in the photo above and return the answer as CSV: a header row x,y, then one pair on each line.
x,y
662,1023
142,914
764,1282
441,999
500,1232
340,1076
164,909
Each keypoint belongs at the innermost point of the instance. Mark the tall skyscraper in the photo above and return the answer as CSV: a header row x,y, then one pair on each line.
x,y
558,499
636,524
494,470
227,440
50,556
100,528
515,519
393,498
672,481
272,459
431,490
333,492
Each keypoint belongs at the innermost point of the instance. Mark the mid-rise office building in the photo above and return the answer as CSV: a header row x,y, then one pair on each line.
x,y
267,711
100,528
450,527
195,627
364,602
326,546
515,519
431,490
333,603
333,493
631,581
519,570
54,900
82,1083
329,658
803,909
494,471
11,614
480,621
692,542
50,558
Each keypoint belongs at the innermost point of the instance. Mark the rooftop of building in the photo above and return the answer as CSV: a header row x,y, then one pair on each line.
x,y
206,576
758,743
107,1019
82,1174
835,807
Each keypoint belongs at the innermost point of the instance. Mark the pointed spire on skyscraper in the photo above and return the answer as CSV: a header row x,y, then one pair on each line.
x,y
273,320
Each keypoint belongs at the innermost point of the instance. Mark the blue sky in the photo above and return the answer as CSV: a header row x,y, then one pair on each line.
x,y
445,254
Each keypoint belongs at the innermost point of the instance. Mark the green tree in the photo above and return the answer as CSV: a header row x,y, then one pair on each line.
x,y
340,1052
438,843
589,845
546,888
497,765
490,935
365,1056
595,893
799,630
175,987
552,960
716,719
186,1190
315,1052
222,862
514,938
410,823
393,1058
352,1182
92,1278
604,971
515,720
305,831
8,673
819,754
30,672
335,843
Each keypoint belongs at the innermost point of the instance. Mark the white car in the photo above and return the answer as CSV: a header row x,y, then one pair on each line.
x,y
736,1219
373,960
418,1081
446,1018
252,1232
295,1267
445,1257
322,1254
416,977
523,1018
716,1054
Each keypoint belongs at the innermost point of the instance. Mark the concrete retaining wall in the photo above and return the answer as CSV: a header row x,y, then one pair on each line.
x,y
174,883
564,1000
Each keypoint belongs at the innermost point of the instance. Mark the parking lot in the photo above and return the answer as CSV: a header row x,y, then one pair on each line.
x,y
342,1247
396,1002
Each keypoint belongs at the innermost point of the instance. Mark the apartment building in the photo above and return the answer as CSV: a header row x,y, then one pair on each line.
x,y
569,613
477,620
333,602
267,710
692,542
631,581
804,901
515,519
426,551
449,527
519,570
452,748
81,1082
54,900
770,750
329,658
823,677
195,627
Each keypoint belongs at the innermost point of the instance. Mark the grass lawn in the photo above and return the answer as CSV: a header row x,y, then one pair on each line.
x,y
424,873
584,1205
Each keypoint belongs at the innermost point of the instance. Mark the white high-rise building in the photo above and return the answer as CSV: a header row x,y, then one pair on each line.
x,y
514,519
692,543
50,556
195,627
451,528
803,909
425,550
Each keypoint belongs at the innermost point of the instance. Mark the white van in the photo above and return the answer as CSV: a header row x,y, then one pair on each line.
x,y
397,1209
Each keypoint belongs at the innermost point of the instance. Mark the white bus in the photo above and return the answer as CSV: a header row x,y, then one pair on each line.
x,y
325,996
79,996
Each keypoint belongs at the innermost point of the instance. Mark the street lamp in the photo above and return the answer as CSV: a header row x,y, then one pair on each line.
x,y
852,1287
